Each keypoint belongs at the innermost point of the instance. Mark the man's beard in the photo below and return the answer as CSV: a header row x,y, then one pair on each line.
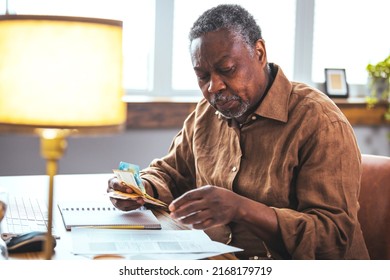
x,y
228,113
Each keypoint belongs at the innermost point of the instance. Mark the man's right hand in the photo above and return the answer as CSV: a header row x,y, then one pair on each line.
x,y
122,204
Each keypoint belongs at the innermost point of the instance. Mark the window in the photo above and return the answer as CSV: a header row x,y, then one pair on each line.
x,y
303,36
138,29
350,34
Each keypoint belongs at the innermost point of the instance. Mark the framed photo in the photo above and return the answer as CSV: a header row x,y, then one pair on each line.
x,y
336,83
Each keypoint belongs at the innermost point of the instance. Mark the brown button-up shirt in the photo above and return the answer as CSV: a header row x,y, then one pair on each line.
x,y
297,153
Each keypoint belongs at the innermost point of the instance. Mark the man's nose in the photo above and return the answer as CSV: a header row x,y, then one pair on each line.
x,y
216,84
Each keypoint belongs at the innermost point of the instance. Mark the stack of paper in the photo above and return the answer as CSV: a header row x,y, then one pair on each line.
x,y
147,244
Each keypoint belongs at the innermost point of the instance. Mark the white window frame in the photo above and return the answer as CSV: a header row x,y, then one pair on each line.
x,y
303,52
163,53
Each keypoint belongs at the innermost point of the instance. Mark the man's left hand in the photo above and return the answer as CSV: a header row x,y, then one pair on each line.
x,y
206,207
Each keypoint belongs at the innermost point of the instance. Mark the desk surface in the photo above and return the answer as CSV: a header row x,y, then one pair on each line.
x,y
72,187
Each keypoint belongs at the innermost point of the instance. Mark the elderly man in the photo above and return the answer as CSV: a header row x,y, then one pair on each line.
x,y
269,165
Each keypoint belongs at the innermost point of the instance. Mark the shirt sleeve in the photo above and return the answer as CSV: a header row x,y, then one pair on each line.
x,y
174,174
326,190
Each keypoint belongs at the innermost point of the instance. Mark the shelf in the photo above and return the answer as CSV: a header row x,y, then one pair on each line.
x,y
166,113
359,114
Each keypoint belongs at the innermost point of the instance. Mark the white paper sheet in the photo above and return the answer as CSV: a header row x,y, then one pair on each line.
x,y
147,244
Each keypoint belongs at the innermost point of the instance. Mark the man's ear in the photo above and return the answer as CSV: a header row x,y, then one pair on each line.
x,y
261,53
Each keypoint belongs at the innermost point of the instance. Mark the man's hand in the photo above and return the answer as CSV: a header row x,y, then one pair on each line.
x,y
206,207
124,205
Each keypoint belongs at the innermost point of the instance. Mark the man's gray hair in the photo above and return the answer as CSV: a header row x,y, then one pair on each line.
x,y
233,18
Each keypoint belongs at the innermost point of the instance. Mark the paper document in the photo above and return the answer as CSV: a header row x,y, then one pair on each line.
x,y
87,241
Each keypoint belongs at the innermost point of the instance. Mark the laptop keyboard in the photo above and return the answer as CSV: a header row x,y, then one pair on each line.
x,y
24,214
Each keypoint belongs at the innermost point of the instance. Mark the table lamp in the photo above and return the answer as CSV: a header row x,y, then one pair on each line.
x,y
60,76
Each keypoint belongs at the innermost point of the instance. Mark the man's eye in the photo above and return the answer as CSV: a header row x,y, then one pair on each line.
x,y
227,70
203,78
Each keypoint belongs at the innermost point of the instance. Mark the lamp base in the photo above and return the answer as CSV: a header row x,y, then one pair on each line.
x,y
53,146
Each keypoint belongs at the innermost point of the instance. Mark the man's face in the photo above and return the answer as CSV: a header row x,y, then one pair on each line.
x,y
231,78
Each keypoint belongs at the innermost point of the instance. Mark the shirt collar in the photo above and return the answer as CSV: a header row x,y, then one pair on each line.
x,y
275,104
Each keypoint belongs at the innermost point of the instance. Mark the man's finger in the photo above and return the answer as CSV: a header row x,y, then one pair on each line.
x,y
186,198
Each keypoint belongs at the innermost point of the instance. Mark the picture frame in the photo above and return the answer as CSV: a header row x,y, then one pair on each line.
x,y
336,83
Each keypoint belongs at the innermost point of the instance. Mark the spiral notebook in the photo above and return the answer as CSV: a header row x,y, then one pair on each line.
x,y
105,215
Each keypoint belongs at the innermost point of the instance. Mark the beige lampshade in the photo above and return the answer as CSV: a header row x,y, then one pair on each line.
x,y
61,72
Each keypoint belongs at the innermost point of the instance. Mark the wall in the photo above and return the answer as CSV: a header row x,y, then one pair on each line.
x,y
373,140
19,155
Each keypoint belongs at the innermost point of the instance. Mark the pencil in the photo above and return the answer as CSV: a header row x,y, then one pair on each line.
x,y
117,227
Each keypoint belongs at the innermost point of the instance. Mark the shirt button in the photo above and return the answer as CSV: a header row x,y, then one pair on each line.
x,y
254,118
234,169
